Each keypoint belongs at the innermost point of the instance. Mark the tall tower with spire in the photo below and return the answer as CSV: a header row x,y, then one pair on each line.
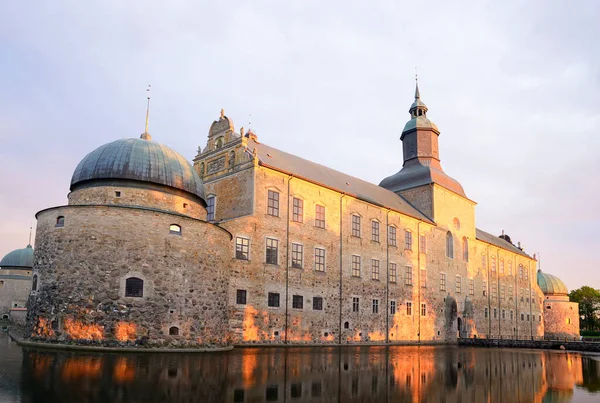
x,y
421,171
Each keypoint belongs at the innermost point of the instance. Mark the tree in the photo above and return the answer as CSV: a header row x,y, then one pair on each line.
x,y
589,306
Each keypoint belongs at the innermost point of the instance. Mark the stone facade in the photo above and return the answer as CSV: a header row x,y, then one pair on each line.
x,y
15,285
561,317
487,293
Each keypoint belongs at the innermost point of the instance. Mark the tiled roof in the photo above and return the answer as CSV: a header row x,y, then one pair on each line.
x,y
330,178
497,241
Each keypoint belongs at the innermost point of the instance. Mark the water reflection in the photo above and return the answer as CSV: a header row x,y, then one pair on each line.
x,y
356,374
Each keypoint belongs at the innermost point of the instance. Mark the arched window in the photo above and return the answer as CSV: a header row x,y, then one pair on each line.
x,y
134,287
219,143
60,221
175,229
346,325
173,331
449,245
465,249
456,223
34,283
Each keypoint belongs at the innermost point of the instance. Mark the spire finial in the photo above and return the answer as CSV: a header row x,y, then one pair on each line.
x,y
146,135
417,95
147,108
222,113
30,228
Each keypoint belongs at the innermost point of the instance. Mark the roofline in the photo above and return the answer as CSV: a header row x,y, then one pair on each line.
x,y
427,220
508,250
150,209
442,186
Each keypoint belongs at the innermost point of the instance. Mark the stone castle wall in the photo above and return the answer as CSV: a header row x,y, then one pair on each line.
x,y
15,285
561,318
83,267
129,193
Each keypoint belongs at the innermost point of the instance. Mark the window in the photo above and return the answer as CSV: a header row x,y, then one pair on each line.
x,y
355,266
483,260
210,208
522,317
527,317
375,231
510,291
242,248
296,256
375,306
407,240
424,278
272,251
33,283
392,307
240,297
273,300
219,143
456,223
346,325
356,226
449,245
173,331
271,393
442,281
134,287
484,288
422,244
471,286
409,308
521,271
297,302
502,267
485,313
117,193
495,313
493,264
316,389
317,303
392,235
408,276
296,390
273,204
320,216
355,304
238,396
511,315
175,229
458,287
423,309
465,249
502,292
319,259
393,273
510,268
494,289
298,210
374,269
60,221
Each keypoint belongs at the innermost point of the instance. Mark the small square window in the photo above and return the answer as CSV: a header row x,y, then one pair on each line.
x,y
273,300
117,193
297,302
317,303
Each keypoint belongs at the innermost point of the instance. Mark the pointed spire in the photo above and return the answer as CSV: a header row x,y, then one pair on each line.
x,y
417,94
146,135
30,228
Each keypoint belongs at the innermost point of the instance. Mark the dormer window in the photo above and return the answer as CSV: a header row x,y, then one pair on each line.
x,y
219,143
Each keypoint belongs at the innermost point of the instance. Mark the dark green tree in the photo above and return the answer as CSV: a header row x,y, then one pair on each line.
x,y
589,306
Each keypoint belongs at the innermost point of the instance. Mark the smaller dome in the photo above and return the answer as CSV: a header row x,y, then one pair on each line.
x,y
551,285
18,258
420,122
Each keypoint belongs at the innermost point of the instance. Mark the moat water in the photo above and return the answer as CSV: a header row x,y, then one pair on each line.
x,y
347,374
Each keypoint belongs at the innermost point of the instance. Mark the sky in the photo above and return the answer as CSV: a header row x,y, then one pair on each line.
x,y
513,86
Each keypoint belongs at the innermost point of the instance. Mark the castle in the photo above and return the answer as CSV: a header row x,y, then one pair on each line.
x,y
252,245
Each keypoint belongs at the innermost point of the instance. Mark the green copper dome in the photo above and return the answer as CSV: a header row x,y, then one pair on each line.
x,y
141,160
551,285
18,258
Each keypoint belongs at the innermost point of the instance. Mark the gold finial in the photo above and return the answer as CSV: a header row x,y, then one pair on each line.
x,y
222,113
147,109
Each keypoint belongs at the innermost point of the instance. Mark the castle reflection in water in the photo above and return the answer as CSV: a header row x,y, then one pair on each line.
x,y
347,374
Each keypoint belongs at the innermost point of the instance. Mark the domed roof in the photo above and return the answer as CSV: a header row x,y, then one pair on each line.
x,y
420,122
551,285
18,258
140,160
